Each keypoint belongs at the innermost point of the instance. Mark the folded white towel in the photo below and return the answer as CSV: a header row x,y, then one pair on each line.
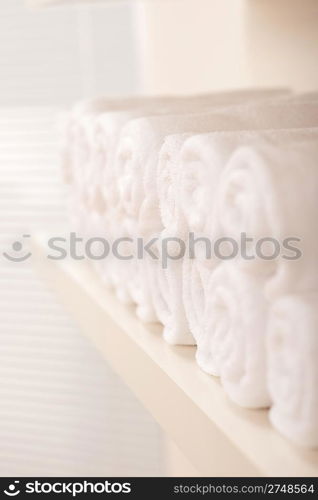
x,y
99,124
95,129
108,125
191,208
94,107
141,139
232,339
91,129
236,178
168,184
135,171
86,135
136,167
292,346
75,131
194,183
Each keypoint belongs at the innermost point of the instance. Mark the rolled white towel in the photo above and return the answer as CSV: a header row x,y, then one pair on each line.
x,y
168,185
232,340
136,164
93,107
193,284
92,129
269,189
77,214
81,153
82,131
195,177
292,346
141,139
137,152
92,139
68,131
108,125
75,129
64,133
185,203
98,126
285,113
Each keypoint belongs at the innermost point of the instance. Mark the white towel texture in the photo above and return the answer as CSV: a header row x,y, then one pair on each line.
x,y
92,132
141,140
211,203
136,167
269,189
232,340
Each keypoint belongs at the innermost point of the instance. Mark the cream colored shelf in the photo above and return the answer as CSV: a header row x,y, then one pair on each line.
x,y
218,438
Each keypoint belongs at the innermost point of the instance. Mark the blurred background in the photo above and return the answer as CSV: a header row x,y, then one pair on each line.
x,y
62,410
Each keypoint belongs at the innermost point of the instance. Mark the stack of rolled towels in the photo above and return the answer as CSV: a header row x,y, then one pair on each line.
x,y
208,204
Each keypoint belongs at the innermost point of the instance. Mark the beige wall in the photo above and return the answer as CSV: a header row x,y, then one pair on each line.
x,y
282,42
202,45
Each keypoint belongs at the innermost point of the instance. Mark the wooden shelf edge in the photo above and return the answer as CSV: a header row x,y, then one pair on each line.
x,y
217,437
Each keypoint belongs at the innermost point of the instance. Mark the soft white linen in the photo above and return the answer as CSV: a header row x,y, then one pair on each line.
x,y
218,210
231,343
136,170
211,166
98,127
292,345
269,189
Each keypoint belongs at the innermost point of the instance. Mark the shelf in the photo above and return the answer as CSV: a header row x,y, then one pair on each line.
x,y
217,437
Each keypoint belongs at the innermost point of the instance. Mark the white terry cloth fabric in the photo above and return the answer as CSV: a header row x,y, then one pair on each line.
x,y
232,340
165,295
141,139
142,203
136,163
201,162
81,126
139,146
292,346
93,126
187,184
286,113
100,120
93,107
204,182
168,181
100,181
71,128
269,189
95,129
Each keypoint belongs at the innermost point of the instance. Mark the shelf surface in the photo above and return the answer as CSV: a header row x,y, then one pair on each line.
x,y
217,437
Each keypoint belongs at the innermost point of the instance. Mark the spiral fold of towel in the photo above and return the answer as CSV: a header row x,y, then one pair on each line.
x,y
208,206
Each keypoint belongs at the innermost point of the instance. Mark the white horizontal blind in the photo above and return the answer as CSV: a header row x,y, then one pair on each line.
x,y
58,55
